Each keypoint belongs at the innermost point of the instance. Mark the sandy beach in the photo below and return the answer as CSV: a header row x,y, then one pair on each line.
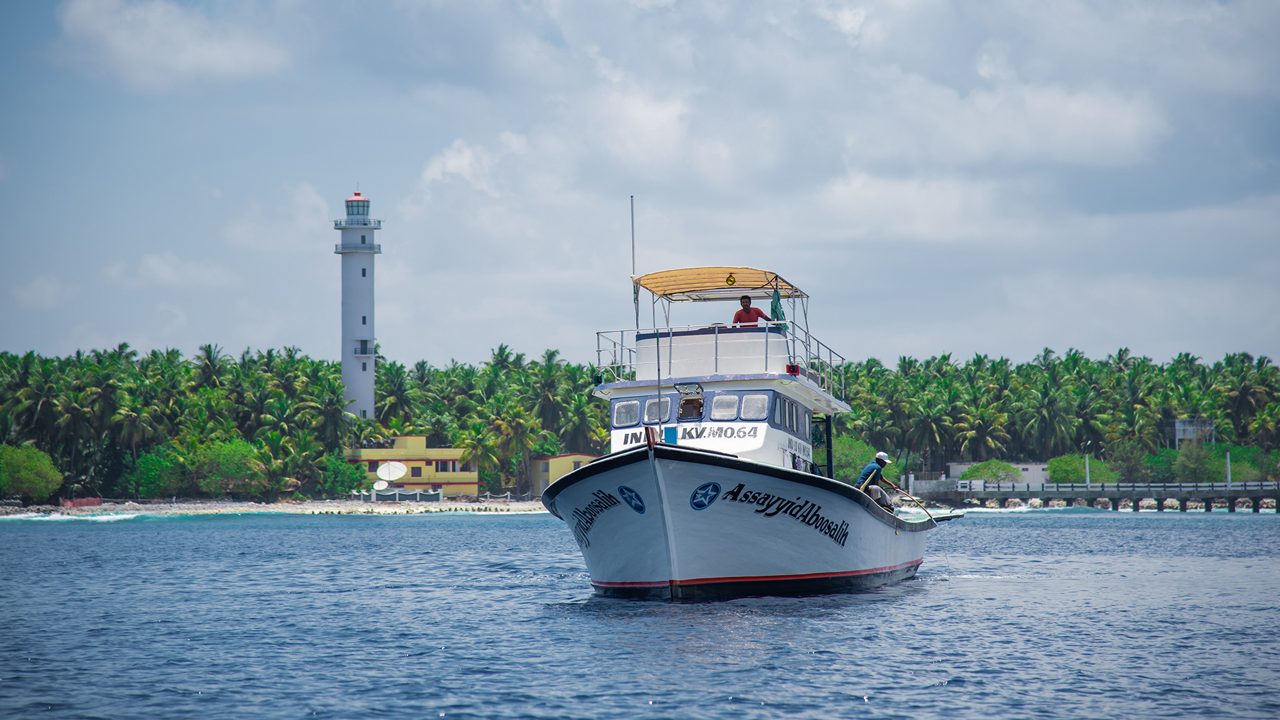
x,y
309,507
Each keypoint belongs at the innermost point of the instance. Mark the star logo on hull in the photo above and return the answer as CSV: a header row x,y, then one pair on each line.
x,y
632,498
704,495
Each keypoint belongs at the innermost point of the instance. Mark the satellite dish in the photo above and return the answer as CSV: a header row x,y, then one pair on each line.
x,y
380,485
392,471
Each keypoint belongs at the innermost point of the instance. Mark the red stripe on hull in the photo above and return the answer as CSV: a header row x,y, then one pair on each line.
x,y
760,578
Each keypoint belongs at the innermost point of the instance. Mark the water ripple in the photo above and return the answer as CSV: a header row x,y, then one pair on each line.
x,y
1035,615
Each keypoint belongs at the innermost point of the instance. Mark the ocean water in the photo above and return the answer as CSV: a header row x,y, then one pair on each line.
x,y
1042,614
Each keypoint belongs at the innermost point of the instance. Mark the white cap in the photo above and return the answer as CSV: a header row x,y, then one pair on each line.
x,y
883,456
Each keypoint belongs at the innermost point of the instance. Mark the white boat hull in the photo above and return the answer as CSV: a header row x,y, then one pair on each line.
x,y
684,524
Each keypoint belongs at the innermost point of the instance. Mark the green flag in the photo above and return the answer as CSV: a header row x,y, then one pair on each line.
x,y
775,309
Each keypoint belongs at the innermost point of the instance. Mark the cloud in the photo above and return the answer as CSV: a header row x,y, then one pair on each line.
x,y
472,164
918,121
283,224
155,45
850,21
166,269
946,209
939,175
44,292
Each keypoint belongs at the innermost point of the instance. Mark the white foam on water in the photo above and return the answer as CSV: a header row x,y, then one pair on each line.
x,y
1009,511
22,516
59,517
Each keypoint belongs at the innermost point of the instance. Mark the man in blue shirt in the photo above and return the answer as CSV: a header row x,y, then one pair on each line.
x,y
869,480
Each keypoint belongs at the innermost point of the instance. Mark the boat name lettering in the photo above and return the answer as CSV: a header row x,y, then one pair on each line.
x,y
586,516
632,438
719,431
803,511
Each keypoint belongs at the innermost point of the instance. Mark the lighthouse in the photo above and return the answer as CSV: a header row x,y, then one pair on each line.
x,y
358,250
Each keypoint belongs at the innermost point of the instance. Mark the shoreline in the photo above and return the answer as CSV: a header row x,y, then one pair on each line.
x,y
308,507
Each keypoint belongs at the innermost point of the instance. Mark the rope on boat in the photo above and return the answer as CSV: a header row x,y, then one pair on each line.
x,y
904,492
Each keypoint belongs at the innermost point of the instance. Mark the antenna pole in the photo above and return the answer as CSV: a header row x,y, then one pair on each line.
x,y
635,289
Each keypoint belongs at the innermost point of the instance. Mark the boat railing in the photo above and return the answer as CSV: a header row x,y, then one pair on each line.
x,y
780,347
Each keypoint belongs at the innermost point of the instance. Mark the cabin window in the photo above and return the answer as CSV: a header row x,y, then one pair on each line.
x,y
626,413
724,407
754,407
780,412
657,410
691,408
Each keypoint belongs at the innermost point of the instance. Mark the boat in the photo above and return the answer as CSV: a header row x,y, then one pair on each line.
x,y
711,490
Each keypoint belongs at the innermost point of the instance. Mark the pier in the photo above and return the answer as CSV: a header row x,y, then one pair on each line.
x,y
1232,495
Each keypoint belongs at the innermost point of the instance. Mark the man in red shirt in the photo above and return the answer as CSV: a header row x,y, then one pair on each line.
x,y
748,315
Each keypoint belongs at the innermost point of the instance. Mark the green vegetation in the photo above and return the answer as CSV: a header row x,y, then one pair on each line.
x,y
1192,465
339,477
849,455
158,474
992,471
230,468
1070,469
272,423
269,424
28,473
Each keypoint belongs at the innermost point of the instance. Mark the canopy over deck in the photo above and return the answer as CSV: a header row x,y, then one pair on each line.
x,y
700,284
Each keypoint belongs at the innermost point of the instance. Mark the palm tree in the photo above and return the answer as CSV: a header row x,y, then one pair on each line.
x,y
930,430
395,393
516,430
1242,390
211,365
479,447
134,424
581,429
547,384
981,431
327,408
1046,423
36,406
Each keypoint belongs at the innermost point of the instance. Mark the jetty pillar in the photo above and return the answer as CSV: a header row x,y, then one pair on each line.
x,y
1182,505
1159,504
1137,503
1208,504
1257,504
1231,504
1115,503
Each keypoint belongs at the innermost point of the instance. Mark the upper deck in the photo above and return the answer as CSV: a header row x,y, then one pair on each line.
x,y
662,355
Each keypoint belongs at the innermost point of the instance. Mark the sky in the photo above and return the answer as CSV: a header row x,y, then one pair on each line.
x,y
940,177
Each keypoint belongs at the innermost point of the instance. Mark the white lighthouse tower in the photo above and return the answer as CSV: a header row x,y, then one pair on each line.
x,y
358,250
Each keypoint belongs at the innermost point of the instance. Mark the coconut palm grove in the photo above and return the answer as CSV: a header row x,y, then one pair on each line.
x,y
272,424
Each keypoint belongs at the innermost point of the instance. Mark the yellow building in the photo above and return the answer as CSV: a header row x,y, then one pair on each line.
x,y
428,469
545,470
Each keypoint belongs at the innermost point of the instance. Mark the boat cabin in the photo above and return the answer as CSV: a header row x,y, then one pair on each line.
x,y
753,390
